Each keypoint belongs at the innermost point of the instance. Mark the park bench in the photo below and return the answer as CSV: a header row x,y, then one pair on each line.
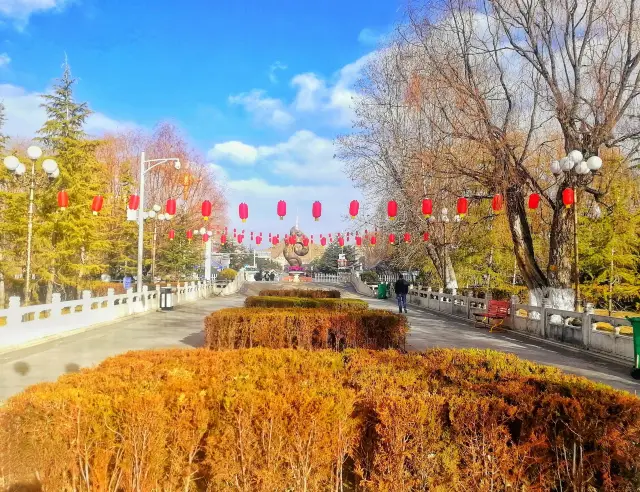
x,y
494,316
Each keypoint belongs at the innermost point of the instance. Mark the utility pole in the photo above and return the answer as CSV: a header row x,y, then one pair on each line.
x,y
611,283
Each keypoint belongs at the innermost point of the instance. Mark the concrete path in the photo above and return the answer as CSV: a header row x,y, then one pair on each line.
x,y
434,330
181,328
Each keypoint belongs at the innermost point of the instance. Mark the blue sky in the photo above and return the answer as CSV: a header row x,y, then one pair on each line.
x,y
261,87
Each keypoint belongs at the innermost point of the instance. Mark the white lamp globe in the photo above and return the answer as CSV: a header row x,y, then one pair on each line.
x,y
160,216
151,214
582,168
157,208
210,233
145,215
594,163
456,218
196,232
575,156
34,152
177,164
555,167
202,230
11,162
20,170
566,164
55,173
49,166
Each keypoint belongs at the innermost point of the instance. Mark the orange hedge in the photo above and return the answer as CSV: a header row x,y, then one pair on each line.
x,y
268,420
308,293
304,302
305,328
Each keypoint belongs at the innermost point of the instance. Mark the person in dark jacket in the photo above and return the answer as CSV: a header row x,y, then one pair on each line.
x,y
402,289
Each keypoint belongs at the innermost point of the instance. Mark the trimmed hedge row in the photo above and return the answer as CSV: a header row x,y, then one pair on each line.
x,y
307,293
234,328
304,302
268,420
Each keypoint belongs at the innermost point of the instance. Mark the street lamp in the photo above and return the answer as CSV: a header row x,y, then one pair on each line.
x,y
153,214
50,167
145,167
574,165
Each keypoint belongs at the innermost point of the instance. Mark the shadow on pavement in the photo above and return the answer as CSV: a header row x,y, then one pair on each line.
x,y
195,339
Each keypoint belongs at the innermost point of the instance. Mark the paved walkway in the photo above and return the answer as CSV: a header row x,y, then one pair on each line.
x,y
183,327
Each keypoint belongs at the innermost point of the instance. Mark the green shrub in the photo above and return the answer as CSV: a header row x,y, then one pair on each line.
x,y
370,277
304,302
305,328
273,420
227,274
309,293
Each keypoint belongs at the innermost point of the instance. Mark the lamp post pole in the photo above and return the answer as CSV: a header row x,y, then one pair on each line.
x,y
13,164
145,167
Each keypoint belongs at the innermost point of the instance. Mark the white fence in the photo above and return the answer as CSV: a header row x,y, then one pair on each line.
x,y
572,328
327,278
27,324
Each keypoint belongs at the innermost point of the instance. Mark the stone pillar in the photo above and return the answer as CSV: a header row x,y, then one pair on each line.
x,y
145,298
588,325
56,310
86,303
14,316
130,300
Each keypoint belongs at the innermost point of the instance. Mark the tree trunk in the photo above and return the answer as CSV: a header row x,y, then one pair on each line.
x,y
531,272
444,266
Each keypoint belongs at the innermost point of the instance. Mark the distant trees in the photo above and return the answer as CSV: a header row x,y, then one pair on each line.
x,y
72,248
328,262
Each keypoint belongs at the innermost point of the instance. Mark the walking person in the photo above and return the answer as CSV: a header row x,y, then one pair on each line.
x,y
402,289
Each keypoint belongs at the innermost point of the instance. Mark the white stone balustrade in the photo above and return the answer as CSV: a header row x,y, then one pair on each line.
x,y
568,327
25,325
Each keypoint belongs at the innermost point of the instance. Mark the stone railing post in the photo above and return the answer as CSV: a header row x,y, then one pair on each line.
x,y
546,304
514,300
587,325
14,317
56,312
86,303
145,298
156,303
130,300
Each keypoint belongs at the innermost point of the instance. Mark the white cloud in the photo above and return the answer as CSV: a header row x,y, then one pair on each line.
x,y
264,109
20,10
303,157
369,37
234,151
4,59
25,116
272,71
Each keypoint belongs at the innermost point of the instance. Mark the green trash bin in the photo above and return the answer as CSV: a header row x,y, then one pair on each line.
x,y
382,291
635,322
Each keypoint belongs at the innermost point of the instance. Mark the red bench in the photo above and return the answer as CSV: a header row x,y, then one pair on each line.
x,y
494,316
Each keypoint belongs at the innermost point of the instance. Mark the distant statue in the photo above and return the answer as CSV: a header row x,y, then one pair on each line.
x,y
292,253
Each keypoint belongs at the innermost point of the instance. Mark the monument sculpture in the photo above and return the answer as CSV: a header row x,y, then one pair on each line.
x,y
293,253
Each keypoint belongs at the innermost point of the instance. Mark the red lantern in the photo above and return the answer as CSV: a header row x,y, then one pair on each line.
x,y
134,202
292,240
258,240
240,238
316,210
305,241
205,237
243,211
63,200
323,241
282,209
463,206
206,209
425,237
534,201
341,241
373,240
354,207
392,209
171,206
223,238
407,237
96,205
172,234
189,234
496,203
358,241
568,197
275,240
427,208
392,238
